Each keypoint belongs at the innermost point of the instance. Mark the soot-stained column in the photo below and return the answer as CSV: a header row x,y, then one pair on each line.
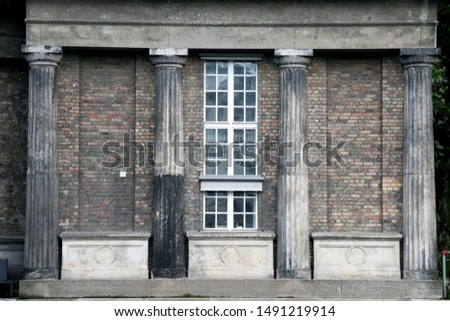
x,y
293,249
419,195
42,208
168,207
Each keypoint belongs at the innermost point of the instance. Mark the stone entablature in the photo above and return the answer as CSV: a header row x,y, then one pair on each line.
x,y
233,25
363,256
231,255
104,255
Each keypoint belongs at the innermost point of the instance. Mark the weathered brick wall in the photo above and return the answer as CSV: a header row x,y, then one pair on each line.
x,y
13,146
268,110
357,100
193,127
99,99
69,140
392,153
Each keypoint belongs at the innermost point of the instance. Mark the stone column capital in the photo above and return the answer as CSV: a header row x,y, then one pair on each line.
x,y
168,57
293,58
42,54
418,57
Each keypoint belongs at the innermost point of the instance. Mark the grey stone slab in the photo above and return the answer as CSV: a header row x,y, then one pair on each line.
x,y
242,289
420,51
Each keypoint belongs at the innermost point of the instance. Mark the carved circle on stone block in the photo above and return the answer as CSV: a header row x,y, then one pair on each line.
x,y
230,255
356,256
105,255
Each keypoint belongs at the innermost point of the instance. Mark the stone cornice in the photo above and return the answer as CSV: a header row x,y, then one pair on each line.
x,y
232,24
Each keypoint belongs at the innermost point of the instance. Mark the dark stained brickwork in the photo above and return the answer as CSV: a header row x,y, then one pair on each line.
x,y
13,146
107,111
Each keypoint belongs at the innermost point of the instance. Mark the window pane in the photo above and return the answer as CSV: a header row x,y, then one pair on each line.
x,y
238,221
250,136
222,167
239,99
210,114
238,169
250,205
222,135
250,68
238,83
210,136
222,114
210,68
222,205
250,114
239,68
222,67
223,82
250,99
238,205
238,136
210,205
222,194
210,168
250,221
211,151
250,83
222,99
238,153
239,114
211,82
250,168
210,221
222,220
211,99
239,194
250,194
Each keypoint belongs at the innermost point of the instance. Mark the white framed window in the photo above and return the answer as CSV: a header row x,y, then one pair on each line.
x,y
230,210
230,182
230,115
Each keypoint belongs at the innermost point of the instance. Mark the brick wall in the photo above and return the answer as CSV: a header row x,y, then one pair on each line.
x,y
357,100
13,146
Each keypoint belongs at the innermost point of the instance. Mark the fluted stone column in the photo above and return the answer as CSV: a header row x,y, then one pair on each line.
x,y
419,207
168,208
41,224
293,247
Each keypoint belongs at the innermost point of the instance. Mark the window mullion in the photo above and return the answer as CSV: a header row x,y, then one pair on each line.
x,y
230,117
230,211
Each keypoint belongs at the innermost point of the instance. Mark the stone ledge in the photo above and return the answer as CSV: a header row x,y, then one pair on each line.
x,y
104,235
245,289
355,235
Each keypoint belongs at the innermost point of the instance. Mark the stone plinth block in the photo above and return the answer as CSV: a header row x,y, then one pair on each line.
x,y
231,255
104,255
368,256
